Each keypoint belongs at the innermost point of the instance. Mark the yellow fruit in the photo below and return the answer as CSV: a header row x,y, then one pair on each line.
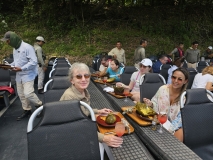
x,y
110,119
111,80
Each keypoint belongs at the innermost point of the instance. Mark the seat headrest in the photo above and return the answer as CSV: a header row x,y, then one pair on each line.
x,y
61,112
196,96
61,71
165,66
152,78
202,63
129,69
60,83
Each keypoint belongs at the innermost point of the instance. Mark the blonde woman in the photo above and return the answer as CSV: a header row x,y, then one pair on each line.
x,y
201,79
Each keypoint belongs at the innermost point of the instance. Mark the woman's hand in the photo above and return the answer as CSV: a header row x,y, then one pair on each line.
x,y
104,111
112,141
147,101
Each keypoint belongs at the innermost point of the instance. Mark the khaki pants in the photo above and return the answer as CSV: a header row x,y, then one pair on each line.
x,y
40,77
27,95
192,65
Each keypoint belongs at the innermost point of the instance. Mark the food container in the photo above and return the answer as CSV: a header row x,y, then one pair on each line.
x,y
144,110
119,90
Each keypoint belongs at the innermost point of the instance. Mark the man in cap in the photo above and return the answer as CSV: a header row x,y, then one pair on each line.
x,y
41,62
25,66
208,54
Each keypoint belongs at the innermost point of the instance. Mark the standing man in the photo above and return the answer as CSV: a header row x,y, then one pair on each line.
x,y
118,53
192,55
41,62
140,52
25,66
177,52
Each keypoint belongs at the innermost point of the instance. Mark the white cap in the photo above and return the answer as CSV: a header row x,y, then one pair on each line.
x,y
40,38
210,47
146,62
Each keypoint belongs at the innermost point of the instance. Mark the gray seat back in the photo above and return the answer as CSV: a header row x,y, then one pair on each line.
x,y
164,71
61,134
192,73
197,121
151,83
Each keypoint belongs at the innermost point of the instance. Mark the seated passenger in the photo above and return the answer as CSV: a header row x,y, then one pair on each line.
x,y
201,79
80,77
167,99
145,67
105,60
176,64
162,60
114,70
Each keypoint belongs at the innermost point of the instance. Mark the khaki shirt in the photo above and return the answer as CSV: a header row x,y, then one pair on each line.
x,y
120,53
73,94
39,53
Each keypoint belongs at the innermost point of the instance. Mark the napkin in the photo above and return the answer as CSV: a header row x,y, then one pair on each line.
x,y
108,89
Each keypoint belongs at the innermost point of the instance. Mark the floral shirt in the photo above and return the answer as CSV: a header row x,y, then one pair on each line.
x,y
161,102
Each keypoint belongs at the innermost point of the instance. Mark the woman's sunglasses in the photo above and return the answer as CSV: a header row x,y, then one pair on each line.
x,y
86,76
179,79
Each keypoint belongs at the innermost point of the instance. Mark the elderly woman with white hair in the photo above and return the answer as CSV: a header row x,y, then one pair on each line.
x,y
79,75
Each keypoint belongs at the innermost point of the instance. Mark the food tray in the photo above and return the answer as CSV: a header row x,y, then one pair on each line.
x,y
107,83
135,117
105,130
4,66
119,96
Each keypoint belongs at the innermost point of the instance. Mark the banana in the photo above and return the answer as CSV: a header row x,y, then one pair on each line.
x,y
111,80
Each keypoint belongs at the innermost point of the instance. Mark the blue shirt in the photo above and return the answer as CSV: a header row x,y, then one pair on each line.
x,y
156,67
25,58
114,74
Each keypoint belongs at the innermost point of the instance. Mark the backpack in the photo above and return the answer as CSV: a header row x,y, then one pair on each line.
x,y
96,62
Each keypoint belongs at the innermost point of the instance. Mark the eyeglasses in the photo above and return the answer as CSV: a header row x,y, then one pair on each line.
x,y
86,76
142,66
179,79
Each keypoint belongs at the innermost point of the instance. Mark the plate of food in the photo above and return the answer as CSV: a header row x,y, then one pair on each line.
x,y
144,110
109,120
146,118
6,66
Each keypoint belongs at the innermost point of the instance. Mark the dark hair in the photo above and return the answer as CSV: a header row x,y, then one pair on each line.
x,y
142,41
180,43
195,42
104,58
116,62
118,42
162,56
178,61
186,75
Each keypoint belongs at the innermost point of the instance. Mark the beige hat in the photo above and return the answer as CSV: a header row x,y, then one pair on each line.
x,y
40,38
210,47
